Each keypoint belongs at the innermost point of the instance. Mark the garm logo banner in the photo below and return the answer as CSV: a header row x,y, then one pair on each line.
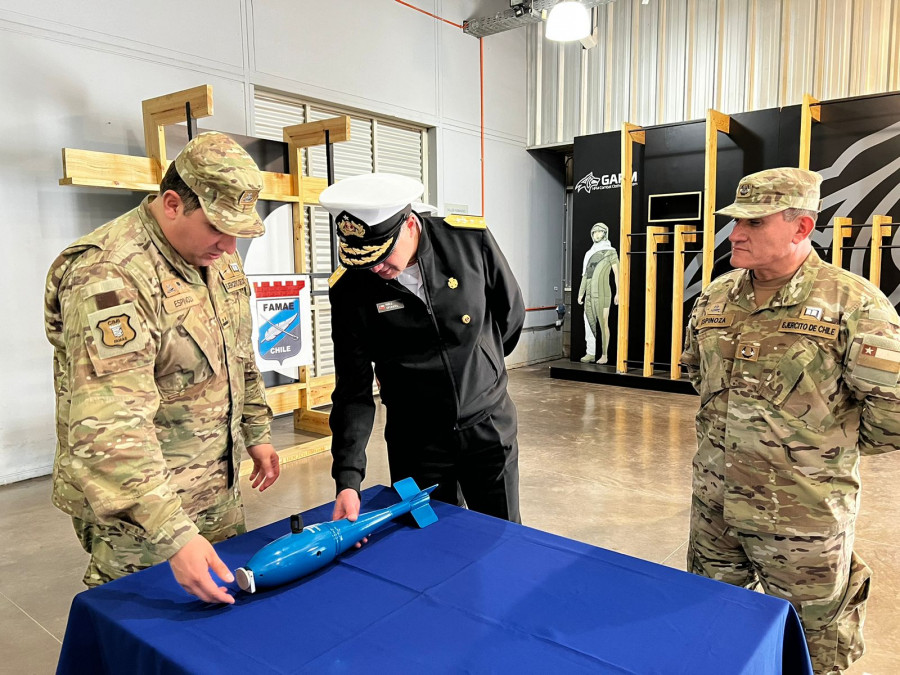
x,y
606,181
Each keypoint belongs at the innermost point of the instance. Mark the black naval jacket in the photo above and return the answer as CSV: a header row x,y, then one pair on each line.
x,y
440,362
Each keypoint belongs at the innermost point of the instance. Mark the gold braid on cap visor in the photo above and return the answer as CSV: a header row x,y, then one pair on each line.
x,y
369,253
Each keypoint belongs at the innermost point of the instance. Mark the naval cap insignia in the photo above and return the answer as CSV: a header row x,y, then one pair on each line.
x,y
349,228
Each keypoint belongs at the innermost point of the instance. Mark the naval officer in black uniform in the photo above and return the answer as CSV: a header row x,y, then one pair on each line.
x,y
433,305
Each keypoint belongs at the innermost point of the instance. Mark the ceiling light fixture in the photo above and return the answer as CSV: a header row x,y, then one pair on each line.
x,y
568,21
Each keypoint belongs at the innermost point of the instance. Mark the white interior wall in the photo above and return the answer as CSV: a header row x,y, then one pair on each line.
x,y
75,73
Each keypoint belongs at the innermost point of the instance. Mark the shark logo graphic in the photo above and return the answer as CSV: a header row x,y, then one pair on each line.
x,y
588,183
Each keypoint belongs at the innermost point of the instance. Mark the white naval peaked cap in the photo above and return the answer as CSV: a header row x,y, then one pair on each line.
x,y
368,212
372,197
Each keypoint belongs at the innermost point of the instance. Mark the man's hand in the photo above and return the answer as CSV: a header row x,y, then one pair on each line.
x,y
347,506
191,567
266,468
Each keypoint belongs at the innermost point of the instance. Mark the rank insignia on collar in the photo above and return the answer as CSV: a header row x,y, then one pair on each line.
x,y
350,228
815,312
172,287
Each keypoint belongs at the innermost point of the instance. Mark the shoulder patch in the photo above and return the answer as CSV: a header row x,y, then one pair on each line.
x,y
466,222
116,331
337,274
876,360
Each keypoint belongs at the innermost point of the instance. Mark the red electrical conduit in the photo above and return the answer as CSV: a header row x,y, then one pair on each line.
x,y
480,83
433,16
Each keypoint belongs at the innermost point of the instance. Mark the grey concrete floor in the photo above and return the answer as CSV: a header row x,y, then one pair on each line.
x,y
604,465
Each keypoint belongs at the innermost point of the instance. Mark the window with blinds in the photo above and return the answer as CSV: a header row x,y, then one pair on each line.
x,y
375,145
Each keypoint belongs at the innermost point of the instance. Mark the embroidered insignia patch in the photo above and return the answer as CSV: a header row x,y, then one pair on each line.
x,y
747,351
814,312
172,287
744,189
350,228
248,197
116,331
715,308
879,358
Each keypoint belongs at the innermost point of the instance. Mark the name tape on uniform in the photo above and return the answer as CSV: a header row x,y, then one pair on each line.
x,y
389,306
715,320
821,329
234,284
179,302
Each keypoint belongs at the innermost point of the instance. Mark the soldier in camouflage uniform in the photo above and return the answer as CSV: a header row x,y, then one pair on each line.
x,y
796,363
157,389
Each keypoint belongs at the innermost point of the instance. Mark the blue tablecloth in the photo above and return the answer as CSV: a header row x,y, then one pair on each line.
x,y
467,594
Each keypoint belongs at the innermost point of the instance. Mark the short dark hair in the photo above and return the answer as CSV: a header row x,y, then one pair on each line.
x,y
172,181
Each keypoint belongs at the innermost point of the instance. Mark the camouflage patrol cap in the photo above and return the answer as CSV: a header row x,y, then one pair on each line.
x,y
774,190
226,180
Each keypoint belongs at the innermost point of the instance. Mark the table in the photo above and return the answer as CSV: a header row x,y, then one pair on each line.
x,y
469,593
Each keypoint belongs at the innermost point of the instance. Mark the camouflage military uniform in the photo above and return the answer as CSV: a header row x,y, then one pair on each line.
x,y
157,393
791,394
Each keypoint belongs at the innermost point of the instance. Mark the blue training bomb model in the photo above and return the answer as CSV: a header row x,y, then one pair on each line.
x,y
305,550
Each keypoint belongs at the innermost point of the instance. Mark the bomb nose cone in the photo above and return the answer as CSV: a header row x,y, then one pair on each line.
x,y
245,580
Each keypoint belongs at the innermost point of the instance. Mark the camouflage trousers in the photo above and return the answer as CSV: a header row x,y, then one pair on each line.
x,y
825,581
118,550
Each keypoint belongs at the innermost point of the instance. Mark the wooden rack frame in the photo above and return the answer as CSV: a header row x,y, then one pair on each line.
x,y
143,174
683,234
631,134
715,122
840,230
809,113
656,235
881,229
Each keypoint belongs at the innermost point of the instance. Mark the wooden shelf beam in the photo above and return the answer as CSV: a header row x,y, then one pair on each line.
x,y
631,134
